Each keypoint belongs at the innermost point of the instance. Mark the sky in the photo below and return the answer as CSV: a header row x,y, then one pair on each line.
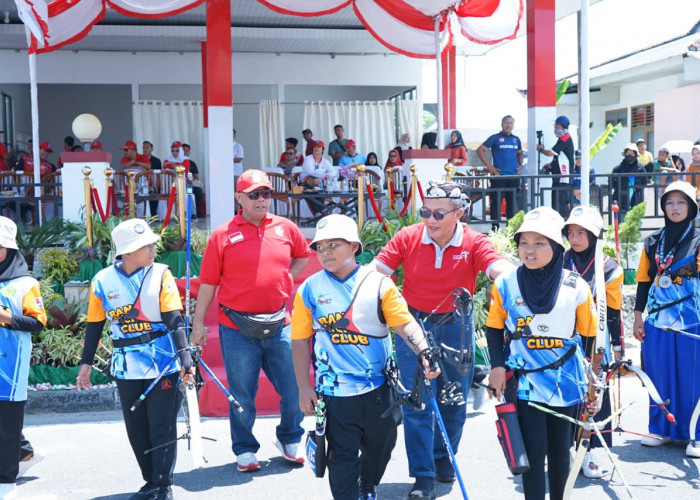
x,y
616,28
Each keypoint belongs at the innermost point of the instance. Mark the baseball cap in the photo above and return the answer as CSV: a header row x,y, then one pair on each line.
x,y
176,144
46,146
640,140
563,121
8,233
320,144
577,154
131,235
96,145
632,147
129,145
664,150
336,226
350,143
545,221
252,179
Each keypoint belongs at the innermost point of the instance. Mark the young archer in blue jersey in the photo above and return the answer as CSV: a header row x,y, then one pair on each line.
x,y
346,311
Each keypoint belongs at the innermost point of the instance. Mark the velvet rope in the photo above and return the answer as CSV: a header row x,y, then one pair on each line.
x,y
113,197
92,202
98,203
407,202
392,198
171,202
373,202
420,191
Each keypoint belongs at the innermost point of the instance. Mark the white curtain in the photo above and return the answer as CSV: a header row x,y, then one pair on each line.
x,y
410,121
162,123
271,133
369,123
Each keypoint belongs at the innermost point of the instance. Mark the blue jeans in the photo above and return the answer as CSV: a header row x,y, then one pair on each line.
x,y
424,443
243,358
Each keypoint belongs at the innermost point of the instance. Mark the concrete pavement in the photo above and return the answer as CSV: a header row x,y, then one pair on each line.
x,y
87,456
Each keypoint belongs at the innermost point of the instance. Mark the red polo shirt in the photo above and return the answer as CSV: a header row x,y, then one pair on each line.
x,y
250,264
431,274
139,158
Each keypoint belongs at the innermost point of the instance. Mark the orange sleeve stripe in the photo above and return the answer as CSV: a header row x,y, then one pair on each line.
x,y
497,315
395,308
613,292
33,306
586,318
169,295
96,310
302,319
643,269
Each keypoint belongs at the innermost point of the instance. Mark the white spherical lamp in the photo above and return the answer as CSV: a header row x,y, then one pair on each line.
x,y
86,127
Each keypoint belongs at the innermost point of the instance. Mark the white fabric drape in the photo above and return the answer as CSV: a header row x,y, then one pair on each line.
x,y
410,121
271,133
162,123
369,123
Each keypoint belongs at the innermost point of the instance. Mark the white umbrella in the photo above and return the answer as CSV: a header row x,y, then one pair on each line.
x,y
678,146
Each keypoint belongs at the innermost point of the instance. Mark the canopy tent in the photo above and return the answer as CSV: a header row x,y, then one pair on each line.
x,y
423,28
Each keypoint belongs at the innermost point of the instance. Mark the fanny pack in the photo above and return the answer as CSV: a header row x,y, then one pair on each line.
x,y
257,326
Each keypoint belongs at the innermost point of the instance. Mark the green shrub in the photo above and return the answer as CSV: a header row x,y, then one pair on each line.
x,y
59,264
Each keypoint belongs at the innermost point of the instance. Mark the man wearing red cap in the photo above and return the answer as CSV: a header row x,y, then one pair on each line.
x,y
132,159
252,260
351,158
95,147
26,162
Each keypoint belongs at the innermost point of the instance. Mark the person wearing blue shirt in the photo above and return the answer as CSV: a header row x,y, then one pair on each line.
x,y
351,158
506,162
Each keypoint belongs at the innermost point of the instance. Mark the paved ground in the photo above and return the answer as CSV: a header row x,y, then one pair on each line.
x,y
88,456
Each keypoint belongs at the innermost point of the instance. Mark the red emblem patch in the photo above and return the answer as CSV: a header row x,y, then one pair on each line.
x,y
165,385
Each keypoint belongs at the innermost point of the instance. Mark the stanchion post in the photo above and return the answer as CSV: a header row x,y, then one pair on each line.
x,y
414,189
360,196
181,199
449,171
132,193
108,184
88,205
389,186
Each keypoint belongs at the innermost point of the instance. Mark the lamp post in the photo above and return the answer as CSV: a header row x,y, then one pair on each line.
x,y
86,127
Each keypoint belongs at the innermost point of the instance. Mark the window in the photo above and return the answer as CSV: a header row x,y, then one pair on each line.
x,y
8,122
407,95
616,116
642,118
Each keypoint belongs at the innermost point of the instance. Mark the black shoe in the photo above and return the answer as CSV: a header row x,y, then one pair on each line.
x,y
164,493
367,491
444,472
146,492
423,488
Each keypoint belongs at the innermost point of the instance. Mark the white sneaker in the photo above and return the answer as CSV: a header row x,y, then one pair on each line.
x,y
27,463
8,491
655,440
693,450
247,462
590,468
290,452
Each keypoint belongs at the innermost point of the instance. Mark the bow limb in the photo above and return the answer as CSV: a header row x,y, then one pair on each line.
x,y
651,389
694,423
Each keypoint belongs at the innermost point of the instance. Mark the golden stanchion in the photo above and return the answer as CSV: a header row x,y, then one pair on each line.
x,y
360,196
88,205
389,186
132,193
449,171
414,189
181,199
108,184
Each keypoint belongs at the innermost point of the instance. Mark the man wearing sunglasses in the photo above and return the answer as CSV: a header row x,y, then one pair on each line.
x,y
438,255
253,260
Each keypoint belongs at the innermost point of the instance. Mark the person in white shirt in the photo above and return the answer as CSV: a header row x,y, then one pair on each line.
x,y
237,157
316,167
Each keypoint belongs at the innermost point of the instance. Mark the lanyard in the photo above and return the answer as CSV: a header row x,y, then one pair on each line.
x,y
663,261
573,266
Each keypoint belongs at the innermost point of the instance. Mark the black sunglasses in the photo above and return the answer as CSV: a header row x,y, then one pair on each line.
x,y
265,193
437,215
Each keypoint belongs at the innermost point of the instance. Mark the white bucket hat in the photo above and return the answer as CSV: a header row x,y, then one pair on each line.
x,y
131,235
588,218
682,187
545,221
8,233
337,226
